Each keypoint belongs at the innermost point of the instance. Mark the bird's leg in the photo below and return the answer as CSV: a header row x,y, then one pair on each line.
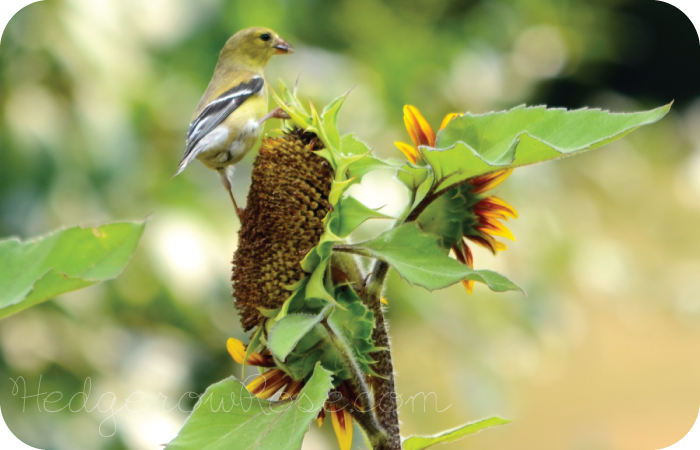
x,y
277,113
227,185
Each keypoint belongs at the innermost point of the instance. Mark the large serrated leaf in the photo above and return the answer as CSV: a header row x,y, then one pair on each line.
x,y
472,145
228,416
32,272
420,260
423,442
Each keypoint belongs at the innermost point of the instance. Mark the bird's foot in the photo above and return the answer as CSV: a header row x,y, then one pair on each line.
x,y
277,113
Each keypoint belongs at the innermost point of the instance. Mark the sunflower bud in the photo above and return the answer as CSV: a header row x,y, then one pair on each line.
x,y
283,220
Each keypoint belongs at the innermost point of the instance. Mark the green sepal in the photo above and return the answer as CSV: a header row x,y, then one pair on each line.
x,y
252,346
298,116
451,216
269,313
329,121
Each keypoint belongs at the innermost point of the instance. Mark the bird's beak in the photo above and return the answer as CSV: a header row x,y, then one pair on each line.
x,y
282,47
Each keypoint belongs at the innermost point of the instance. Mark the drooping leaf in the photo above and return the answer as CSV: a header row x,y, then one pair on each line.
x,y
289,330
34,271
420,259
475,144
227,416
353,214
422,442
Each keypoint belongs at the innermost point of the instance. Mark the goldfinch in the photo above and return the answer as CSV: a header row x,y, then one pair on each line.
x,y
230,117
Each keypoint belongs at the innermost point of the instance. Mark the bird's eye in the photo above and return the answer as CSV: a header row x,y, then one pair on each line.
x,y
265,36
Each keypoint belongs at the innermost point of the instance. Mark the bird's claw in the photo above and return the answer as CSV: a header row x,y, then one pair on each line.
x,y
277,113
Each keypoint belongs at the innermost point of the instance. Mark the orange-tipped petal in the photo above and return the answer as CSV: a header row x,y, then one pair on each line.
x,y
321,416
447,119
272,388
488,242
496,203
464,255
490,181
292,390
468,285
342,425
468,253
420,130
494,227
411,153
265,385
236,349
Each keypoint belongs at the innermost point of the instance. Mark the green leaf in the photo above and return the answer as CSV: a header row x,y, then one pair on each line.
x,y
472,145
422,442
228,416
353,213
420,260
32,272
288,331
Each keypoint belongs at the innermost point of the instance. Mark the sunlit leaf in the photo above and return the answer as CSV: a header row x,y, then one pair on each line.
x,y
472,144
422,442
35,271
420,259
228,416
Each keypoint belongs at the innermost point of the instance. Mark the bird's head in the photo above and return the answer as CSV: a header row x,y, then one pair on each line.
x,y
253,47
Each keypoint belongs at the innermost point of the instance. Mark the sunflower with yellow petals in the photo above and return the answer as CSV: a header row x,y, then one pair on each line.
x,y
478,215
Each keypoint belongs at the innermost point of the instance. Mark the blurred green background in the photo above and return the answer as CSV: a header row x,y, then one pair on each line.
x,y
604,353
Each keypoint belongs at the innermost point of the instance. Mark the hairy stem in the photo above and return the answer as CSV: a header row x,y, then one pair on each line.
x,y
365,417
384,387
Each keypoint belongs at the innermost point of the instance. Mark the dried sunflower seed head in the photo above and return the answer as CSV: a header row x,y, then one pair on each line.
x,y
283,220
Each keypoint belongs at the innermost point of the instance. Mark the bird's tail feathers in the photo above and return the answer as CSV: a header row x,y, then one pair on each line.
x,y
183,163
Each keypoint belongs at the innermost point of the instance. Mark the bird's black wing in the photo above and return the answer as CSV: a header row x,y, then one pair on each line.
x,y
218,110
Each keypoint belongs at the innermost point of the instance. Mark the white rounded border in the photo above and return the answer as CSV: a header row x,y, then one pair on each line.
x,y
8,8
690,441
691,9
8,440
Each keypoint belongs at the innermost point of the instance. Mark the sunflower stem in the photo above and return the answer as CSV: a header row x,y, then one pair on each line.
x,y
366,417
384,386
